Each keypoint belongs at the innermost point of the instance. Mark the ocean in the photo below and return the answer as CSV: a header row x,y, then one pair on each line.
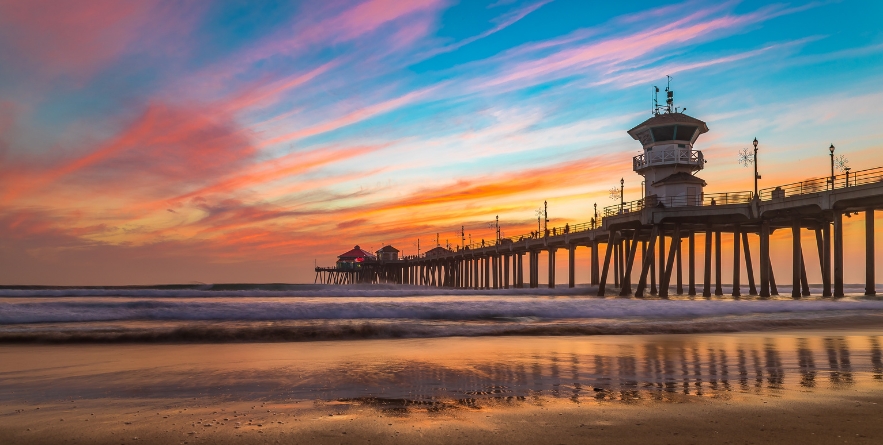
x,y
268,313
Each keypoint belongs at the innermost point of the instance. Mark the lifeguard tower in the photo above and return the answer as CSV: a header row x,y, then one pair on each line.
x,y
669,162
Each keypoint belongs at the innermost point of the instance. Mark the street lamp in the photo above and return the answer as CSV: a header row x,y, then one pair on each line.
x,y
831,149
756,176
621,194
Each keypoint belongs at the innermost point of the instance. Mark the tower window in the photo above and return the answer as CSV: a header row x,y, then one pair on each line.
x,y
665,133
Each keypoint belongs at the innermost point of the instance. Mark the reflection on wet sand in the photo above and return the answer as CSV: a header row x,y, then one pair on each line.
x,y
438,373
655,371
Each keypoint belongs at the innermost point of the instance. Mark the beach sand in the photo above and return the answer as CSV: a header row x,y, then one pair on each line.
x,y
847,418
769,387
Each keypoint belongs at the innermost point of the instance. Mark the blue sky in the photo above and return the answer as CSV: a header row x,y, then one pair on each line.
x,y
227,141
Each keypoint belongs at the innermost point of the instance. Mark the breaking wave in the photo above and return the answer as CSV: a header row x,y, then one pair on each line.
x,y
459,309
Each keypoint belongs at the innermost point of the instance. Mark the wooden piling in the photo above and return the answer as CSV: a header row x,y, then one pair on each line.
x,y
607,257
737,261
706,288
795,258
870,282
647,263
669,264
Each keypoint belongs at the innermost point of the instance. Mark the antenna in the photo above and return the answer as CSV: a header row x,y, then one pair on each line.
x,y
462,236
655,110
669,96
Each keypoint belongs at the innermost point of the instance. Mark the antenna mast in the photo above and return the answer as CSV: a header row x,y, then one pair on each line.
x,y
669,106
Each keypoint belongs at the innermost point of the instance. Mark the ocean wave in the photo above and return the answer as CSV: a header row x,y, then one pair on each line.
x,y
318,291
461,308
391,329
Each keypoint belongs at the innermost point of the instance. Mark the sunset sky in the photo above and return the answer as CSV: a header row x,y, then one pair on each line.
x,y
170,142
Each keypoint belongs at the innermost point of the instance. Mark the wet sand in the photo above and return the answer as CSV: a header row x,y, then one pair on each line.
x,y
768,387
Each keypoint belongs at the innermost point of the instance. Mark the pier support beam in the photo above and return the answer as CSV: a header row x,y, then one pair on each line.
x,y
870,282
571,268
603,282
773,288
706,284
595,266
737,261
519,270
661,255
823,239
765,259
647,263
679,269
691,264
749,267
632,252
669,264
506,271
487,272
552,267
718,290
838,254
495,260
795,258
626,280
651,254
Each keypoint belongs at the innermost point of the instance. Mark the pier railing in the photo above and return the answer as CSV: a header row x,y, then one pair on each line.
x,y
809,186
817,185
705,199
669,156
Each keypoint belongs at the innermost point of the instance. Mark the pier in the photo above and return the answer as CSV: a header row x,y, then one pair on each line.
x,y
662,228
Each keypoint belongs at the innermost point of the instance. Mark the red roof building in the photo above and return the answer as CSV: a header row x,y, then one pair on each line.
x,y
354,258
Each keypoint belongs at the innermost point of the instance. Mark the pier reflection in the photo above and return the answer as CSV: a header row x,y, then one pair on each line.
x,y
655,371
436,374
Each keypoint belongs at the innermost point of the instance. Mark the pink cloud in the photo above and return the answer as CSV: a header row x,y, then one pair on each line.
x,y
352,117
165,147
617,50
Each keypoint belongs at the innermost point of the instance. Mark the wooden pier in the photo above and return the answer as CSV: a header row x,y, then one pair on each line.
x,y
659,227
664,233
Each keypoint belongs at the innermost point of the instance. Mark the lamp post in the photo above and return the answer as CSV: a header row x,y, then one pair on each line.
x,y
621,194
756,176
831,149
546,215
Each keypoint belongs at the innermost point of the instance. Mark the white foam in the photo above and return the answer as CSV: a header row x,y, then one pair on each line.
x,y
469,307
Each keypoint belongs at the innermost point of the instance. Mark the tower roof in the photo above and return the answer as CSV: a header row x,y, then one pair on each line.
x,y
356,253
680,178
668,127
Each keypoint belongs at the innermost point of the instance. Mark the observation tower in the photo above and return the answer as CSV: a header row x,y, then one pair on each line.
x,y
669,162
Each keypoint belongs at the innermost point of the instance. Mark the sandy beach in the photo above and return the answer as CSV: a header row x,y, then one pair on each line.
x,y
822,386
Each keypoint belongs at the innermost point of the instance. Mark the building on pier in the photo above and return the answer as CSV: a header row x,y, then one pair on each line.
x,y
669,162
354,259
387,253
437,252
